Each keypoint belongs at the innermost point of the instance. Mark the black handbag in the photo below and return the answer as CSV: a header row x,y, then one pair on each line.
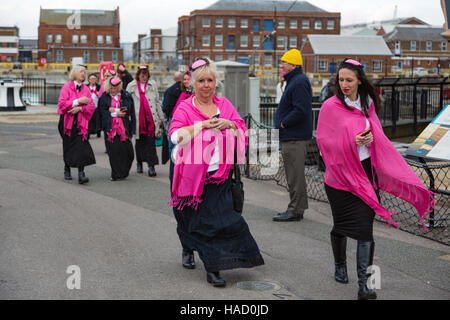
x,y
237,187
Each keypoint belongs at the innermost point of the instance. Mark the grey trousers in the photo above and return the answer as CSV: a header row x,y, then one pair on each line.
x,y
294,154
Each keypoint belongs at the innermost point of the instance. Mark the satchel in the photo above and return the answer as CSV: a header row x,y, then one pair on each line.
x,y
237,187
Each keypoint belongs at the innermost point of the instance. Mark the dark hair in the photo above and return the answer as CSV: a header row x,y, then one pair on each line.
x,y
365,89
138,73
183,87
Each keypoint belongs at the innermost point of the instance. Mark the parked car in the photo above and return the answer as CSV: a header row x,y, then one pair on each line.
x,y
420,71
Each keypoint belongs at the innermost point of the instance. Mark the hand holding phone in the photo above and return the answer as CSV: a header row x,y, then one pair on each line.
x,y
365,133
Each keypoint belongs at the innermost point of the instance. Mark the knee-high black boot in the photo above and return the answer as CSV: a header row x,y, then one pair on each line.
x,y
82,179
364,258
339,246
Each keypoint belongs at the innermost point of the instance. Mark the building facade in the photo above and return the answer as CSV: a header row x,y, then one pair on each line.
x,y
159,48
91,34
9,44
255,32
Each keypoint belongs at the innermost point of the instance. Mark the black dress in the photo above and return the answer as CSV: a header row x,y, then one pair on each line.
x,y
95,121
77,153
120,153
352,217
219,234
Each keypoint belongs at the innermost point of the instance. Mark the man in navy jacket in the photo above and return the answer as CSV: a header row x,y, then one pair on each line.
x,y
293,118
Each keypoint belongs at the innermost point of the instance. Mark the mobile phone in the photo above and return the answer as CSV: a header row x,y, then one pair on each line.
x,y
365,133
123,109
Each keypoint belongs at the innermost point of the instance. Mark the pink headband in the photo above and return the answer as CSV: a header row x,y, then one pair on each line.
x,y
199,63
143,67
353,62
115,81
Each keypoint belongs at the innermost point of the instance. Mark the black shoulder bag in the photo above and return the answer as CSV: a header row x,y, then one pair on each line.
x,y
237,187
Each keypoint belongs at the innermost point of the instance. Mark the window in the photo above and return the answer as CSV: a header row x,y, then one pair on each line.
x,y
377,66
192,24
58,38
219,22
280,24
83,38
232,57
232,23
256,60
244,23
205,40
413,46
318,24
256,41
429,45
256,25
293,24
206,22
281,41
74,38
397,46
186,42
330,24
109,39
323,65
244,41
59,56
99,56
293,42
219,57
305,24
49,38
219,40
86,56
100,40
231,42
268,25
115,57
444,46
268,60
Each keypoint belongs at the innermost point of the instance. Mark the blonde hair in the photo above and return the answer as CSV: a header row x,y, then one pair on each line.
x,y
107,85
75,72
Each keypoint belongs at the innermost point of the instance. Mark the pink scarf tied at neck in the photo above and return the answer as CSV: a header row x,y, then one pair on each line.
x,y
145,114
193,159
117,126
336,131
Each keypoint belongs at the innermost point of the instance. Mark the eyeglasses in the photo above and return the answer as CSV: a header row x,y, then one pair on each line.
x,y
200,62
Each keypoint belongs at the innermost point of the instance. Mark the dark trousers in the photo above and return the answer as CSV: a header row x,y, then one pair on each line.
x,y
294,154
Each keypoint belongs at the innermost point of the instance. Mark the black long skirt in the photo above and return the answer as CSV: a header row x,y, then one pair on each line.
x,y
93,126
121,156
76,151
146,150
218,233
352,217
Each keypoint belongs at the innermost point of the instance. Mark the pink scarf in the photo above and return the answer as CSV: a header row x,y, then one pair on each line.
x,y
145,114
68,94
336,132
192,159
183,96
117,126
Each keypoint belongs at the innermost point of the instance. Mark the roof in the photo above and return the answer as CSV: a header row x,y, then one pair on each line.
x,y
408,32
374,26
349,45
87,17
264,5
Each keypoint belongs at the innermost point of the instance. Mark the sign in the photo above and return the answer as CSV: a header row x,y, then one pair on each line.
x,y
434,141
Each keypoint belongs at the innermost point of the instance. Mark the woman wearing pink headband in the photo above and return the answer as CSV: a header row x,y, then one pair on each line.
x,y
150,119
360,160
119,125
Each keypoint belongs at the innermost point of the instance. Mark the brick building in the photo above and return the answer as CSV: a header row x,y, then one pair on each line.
x,y
91,34
9,44
251,31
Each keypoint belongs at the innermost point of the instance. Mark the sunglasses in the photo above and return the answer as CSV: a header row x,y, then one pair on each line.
x,y
200,62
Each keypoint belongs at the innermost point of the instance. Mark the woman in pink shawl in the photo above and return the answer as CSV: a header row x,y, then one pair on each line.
x,y
76,107
206,131
359,161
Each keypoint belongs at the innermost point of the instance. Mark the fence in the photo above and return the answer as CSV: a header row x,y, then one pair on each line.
x,y
435,176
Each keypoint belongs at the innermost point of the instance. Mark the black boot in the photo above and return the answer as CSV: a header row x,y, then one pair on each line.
x,y
151,171
139,167
364,258
188,259
339,245
67,175
82,179
215,279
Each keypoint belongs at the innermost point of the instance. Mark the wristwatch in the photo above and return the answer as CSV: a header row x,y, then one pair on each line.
x,y
230,125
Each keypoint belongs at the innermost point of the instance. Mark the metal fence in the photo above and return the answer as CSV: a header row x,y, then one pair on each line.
x,y
435,176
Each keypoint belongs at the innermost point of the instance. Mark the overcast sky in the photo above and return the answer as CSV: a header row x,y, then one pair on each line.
x,y
138,16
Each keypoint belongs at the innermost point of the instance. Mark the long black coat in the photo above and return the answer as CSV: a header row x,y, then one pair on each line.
x,y
125,101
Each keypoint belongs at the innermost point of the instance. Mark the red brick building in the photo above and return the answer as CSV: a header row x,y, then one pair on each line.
x,y
256,32
91,34
9,44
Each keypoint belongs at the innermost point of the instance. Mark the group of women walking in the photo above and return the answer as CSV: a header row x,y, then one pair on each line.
x,y
360,160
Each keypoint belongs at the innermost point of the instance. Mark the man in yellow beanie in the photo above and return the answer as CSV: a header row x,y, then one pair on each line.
x,y
293,118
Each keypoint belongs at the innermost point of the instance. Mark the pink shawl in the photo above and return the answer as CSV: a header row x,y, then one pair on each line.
x,y
192,159
336,131
145,114
117,126
183,96
68,94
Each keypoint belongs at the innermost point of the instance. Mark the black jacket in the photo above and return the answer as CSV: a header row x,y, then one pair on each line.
x,y
170,99
125,101
126,79
295,108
